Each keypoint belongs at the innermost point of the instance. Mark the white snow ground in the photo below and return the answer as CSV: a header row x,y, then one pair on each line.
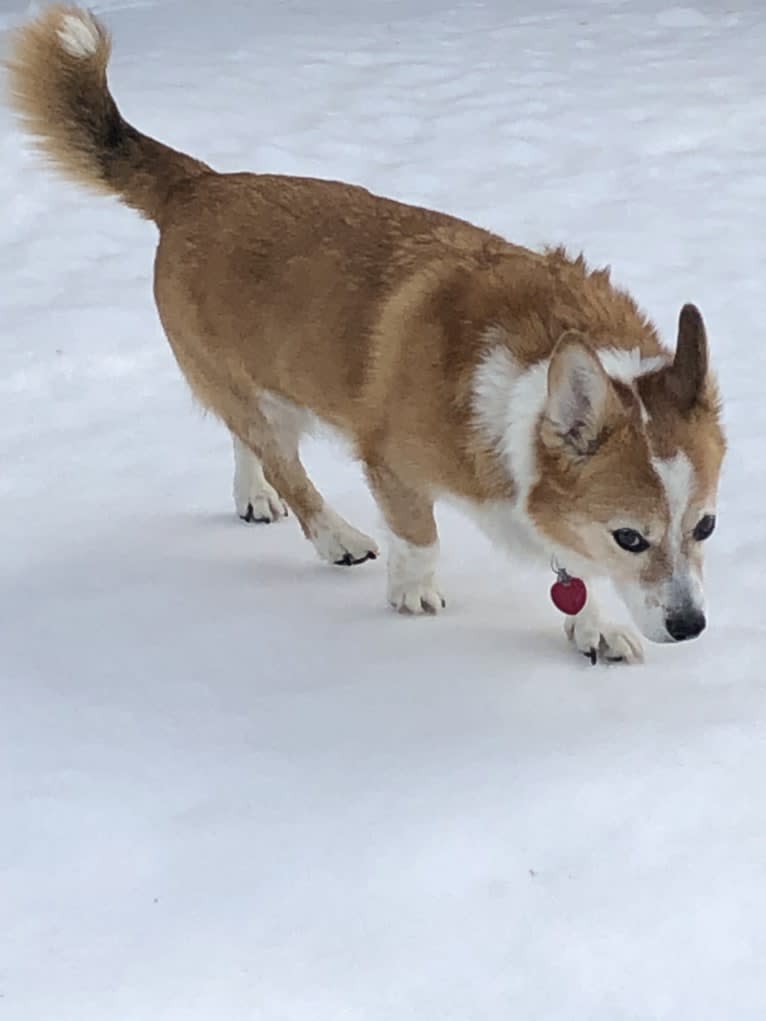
x,y
233,785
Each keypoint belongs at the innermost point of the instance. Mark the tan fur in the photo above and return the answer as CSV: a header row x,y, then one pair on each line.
x,y
64,101
370,314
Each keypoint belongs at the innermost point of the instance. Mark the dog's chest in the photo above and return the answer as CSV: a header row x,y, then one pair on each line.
x,y
507,526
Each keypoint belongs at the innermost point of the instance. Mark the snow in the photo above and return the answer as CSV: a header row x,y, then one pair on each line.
x,y
233,785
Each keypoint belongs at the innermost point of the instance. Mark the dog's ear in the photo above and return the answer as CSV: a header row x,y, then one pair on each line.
x,y
687,378
581,400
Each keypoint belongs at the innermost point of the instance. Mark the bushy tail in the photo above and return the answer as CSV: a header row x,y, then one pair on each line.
x,y
57,68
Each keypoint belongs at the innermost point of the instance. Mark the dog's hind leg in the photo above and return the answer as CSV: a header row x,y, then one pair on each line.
x,y
255,499
272,431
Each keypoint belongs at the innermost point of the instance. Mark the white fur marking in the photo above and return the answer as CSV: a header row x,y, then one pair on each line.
x,y
628,365
254,498
288,421
337,542
79,35
412,587
493,382
508,402
677,477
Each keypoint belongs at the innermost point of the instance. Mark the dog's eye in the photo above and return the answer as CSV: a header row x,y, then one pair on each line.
x,y
705,527
631,540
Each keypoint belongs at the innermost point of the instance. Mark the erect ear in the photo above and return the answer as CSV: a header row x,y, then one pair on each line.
x,y
687,376
581,399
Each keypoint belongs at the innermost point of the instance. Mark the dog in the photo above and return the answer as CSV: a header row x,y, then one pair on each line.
x,y
522,385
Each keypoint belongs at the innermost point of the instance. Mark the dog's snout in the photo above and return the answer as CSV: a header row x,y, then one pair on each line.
x,y
686,624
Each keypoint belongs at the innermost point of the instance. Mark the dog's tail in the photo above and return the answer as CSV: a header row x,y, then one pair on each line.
x,y
58,85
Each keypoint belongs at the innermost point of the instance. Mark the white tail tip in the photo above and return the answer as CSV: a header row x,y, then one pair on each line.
x,y
79,35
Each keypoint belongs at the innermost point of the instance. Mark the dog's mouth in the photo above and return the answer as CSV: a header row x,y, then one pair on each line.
x,y
663,623
675,627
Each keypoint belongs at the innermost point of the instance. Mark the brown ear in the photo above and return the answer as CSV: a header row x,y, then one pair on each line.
x,y
687,377
581,398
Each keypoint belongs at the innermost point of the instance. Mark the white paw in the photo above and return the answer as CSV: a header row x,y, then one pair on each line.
x,y
263,506
417,599
255,499
338,543
598,639
411,584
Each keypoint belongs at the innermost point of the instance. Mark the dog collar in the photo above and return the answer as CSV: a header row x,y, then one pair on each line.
x,y
569,594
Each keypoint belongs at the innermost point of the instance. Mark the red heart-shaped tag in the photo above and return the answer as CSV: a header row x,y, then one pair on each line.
x,y
569,596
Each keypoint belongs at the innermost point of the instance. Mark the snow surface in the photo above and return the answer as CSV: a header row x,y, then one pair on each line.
x,y
233,785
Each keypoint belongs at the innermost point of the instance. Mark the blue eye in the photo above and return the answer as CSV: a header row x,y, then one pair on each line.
x,y
705,528
630,540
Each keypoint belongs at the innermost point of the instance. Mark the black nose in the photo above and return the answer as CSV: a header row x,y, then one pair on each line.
x,y
688,624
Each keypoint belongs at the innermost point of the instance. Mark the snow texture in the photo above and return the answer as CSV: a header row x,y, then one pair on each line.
x,y
233,784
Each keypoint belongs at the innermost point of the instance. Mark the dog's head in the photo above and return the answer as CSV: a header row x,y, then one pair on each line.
x,y
629,475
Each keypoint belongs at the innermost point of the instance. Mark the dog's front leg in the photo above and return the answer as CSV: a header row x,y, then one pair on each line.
x,y
414,543
598,638
412,585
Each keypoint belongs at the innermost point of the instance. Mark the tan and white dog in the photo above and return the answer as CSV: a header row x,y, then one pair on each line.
x,y
520,384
